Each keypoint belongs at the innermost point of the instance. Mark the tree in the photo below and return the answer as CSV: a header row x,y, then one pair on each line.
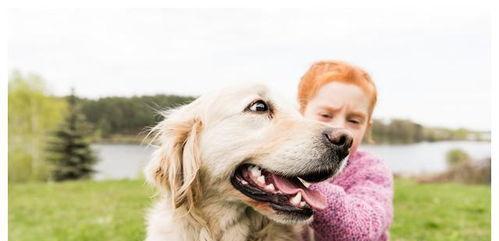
x,y
71,153
33,113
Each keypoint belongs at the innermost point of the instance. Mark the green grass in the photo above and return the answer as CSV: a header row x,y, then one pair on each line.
x,y
86,210
114,211
441,212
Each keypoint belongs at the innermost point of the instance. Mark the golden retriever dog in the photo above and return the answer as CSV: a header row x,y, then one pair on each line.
x,y
234,164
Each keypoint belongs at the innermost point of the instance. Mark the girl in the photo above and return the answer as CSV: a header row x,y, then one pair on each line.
x,y
360,198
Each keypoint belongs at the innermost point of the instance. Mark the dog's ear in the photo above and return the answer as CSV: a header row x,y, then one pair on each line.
x,y
175,165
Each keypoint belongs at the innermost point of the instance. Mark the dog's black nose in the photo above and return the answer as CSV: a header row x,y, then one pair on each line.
x,y
339,138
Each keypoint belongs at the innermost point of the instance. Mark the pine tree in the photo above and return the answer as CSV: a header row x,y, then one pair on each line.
x,y
70,150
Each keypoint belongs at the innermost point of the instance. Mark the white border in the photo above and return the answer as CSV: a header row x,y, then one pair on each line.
x,y
463,5
414,5
494,121
4,128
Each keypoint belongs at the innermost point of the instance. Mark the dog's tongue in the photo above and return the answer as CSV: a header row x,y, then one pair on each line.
x,y
313,198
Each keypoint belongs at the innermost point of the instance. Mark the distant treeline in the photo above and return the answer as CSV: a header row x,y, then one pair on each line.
x,y
130,116
406,131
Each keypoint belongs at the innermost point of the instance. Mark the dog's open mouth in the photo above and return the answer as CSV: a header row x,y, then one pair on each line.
x,y
283,193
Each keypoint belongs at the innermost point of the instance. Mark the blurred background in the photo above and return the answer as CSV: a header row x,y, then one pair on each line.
x,y
85,85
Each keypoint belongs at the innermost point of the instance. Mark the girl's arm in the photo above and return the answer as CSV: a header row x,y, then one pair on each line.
x,y
362,212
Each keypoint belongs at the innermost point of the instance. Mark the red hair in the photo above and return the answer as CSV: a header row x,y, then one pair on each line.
x,y
325,72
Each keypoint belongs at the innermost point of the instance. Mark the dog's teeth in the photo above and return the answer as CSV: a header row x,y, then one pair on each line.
x,y
270,187
305,183
244,182
255,171
260,180
296,199
302,204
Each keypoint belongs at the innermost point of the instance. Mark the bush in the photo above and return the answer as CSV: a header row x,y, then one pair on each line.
x,y
463,170
456,157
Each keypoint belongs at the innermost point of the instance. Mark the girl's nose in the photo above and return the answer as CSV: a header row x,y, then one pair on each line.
x,y
337,123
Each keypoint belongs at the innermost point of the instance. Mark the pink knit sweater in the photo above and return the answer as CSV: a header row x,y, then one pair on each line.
x,y
360,202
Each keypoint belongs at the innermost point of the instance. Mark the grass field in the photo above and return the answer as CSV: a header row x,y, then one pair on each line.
x,y
114,211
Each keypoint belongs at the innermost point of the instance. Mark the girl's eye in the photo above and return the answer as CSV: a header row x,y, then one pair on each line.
x,y
258,106
354,121
325,115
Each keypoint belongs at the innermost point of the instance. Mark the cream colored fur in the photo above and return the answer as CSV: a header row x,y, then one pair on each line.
x,y
202,143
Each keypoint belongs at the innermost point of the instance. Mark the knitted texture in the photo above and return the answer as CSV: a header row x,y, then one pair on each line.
x,y
360,202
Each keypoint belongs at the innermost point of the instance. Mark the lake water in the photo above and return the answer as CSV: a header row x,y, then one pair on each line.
x,y
425,157
118,161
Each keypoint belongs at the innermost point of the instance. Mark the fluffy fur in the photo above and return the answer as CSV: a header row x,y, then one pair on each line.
x,y
199,147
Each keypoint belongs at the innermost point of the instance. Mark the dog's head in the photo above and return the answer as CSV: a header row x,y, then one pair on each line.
x,y
242,145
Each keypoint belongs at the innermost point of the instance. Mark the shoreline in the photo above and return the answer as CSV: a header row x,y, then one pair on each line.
x,y
141,139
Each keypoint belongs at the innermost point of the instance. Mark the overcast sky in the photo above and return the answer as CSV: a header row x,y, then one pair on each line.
x,y
432,67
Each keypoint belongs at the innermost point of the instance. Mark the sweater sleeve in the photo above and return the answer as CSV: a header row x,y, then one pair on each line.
x,y
362,212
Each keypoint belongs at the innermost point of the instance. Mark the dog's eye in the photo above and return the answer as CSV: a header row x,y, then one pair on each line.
x,y
258,106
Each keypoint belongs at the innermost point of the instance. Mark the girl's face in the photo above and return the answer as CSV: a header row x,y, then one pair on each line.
x,y
341,105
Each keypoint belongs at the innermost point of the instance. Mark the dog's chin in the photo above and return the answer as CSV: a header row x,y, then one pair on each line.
x,y
284,216
284,199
